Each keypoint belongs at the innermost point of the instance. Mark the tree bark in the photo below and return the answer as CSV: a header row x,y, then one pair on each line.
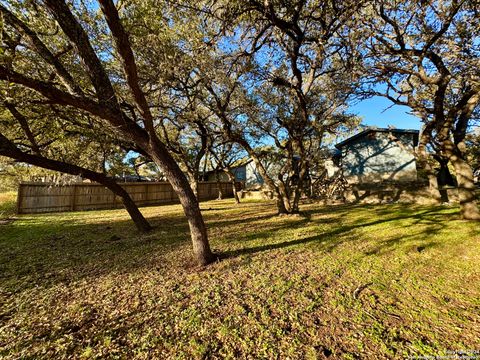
x,y
188,200
300,186
466,189
232,179
140,222
466,186
193,180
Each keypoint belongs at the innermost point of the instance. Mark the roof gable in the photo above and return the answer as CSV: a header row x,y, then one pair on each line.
x,y
371,130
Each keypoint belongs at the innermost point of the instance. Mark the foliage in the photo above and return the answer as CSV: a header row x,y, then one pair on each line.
x,y
385,281
288,65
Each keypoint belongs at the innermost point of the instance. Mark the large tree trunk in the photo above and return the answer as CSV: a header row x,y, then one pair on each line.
x,y
465,184
155,147
299,188
189,201
283,199
466,188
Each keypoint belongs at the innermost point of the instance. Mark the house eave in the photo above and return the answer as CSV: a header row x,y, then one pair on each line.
x,y
369,130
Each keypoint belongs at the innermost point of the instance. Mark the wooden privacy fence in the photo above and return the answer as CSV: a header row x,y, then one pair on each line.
x,y
34,197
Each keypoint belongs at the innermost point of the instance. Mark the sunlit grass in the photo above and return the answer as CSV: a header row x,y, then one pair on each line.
x,y
8,202
342,281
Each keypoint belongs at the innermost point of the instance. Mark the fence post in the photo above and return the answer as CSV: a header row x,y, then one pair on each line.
x,y
19,198
73,202
145,202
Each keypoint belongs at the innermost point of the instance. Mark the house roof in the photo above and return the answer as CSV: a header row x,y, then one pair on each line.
x,y
373,129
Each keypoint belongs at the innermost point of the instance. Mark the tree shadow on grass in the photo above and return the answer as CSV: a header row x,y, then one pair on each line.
x,y
44,250
330,240
36,252
39,251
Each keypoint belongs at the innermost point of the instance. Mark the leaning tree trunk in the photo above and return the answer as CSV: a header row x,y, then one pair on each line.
x,y
140,222
188,200
466,188
8,149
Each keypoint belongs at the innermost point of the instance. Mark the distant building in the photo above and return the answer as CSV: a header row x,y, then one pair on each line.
x,y
246,173
376,155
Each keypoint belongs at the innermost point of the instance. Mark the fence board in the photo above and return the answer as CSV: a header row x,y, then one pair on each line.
x,y
49,197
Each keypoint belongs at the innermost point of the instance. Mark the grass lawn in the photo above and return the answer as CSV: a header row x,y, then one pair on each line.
x,y
371,281
8,204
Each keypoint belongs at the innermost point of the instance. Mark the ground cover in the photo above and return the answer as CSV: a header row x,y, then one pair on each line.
x,y
345,281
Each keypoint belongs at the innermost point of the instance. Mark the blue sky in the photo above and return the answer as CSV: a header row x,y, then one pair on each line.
x,y
374,114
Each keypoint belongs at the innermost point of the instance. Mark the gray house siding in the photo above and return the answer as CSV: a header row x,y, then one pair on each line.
x,y
240,172
247,174
253,178
375,157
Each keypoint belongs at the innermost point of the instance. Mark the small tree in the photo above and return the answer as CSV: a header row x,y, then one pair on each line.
x,y
227,157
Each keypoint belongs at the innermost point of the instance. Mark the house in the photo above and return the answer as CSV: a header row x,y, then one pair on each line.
x,y
245,172
376,155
